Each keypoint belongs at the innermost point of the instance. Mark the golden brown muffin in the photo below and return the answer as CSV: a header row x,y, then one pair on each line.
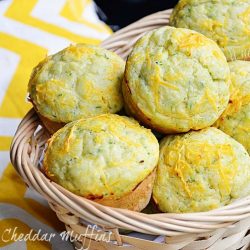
x,y
235,121
176,80
109,159
80,81
200,171
227,22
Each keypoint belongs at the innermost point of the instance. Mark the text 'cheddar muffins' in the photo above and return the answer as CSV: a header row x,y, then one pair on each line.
x,y
109,159
176,80
78,82
235,121
227,22
200,171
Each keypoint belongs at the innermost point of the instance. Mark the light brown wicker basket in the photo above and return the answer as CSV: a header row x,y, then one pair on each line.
x,y
224,228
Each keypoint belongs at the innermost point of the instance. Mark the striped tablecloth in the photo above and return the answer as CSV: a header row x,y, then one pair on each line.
x,y
29,30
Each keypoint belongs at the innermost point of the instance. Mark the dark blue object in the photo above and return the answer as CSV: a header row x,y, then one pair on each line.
x,y
120,13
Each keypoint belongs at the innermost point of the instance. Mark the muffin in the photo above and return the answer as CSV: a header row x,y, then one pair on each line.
x,y
200,171
80,81
227,22
176,80
235,121
109,159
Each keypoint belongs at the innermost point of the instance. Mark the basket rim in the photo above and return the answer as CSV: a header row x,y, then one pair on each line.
x,y
28,142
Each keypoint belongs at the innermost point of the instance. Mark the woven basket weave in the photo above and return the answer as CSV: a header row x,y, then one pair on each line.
x,y
225,228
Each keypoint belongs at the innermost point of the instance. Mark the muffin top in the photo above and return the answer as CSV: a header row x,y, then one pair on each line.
x,y
101,157
199,171
227,22
78,82
178,79
235,121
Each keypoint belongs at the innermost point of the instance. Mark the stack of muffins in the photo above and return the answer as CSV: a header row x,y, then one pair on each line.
x,y
191,88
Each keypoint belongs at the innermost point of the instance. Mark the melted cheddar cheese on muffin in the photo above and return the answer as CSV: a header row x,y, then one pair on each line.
x,y
78,82
176,80
227,22
235,121
200,171
103,158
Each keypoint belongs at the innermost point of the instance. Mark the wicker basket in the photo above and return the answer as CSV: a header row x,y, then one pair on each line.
x,y
224,228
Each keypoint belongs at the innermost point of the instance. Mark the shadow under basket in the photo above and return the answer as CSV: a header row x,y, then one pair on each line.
x,y
97,227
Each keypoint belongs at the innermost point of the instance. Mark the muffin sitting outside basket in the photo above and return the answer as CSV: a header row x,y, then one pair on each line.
x,y
109,159
78,82
227,22
200,171
176,80
235,121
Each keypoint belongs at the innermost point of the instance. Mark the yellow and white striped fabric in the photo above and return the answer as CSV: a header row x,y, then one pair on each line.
x,y
30,29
